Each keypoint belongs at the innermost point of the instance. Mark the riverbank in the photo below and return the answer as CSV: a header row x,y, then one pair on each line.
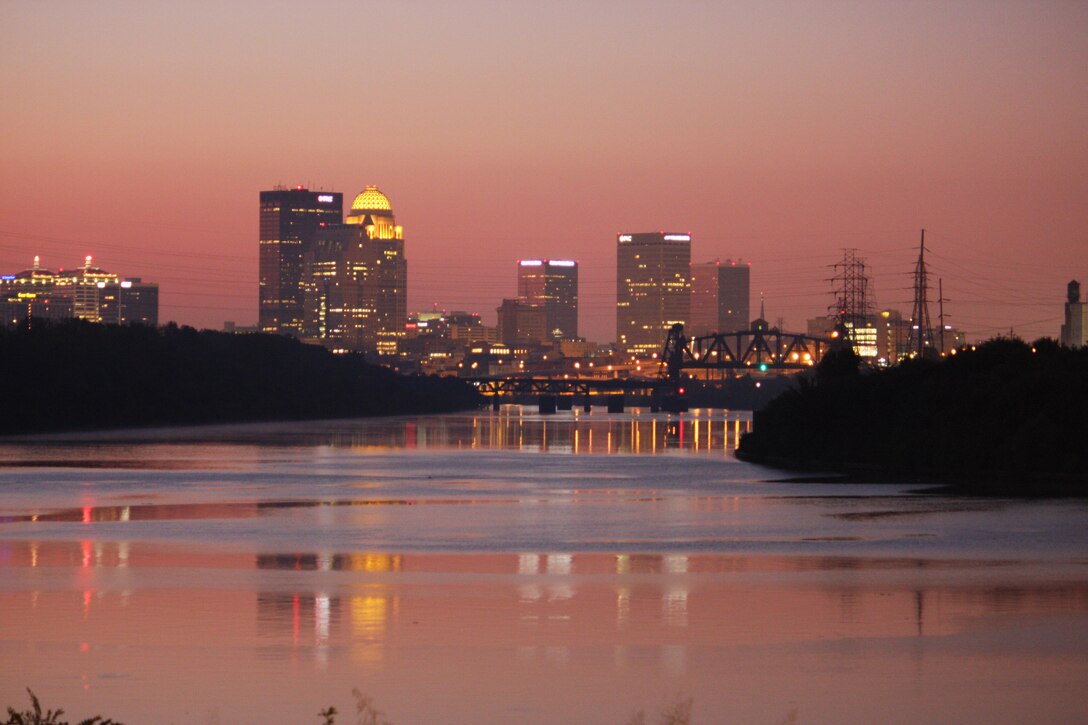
x,y
79,376
1007,418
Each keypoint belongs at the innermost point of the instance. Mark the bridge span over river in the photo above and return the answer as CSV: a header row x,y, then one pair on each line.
x,y
753,351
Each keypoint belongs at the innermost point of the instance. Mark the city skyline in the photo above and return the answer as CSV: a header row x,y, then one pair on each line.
x,y
779,134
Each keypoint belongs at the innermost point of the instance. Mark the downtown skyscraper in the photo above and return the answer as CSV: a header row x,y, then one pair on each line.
x,y
553,285
355,278
720,294
288,220
653,288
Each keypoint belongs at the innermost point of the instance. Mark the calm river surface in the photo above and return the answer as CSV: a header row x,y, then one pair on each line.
x,y
513,568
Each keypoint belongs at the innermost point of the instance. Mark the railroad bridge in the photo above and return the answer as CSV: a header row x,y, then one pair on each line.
x,y
768,351
757,349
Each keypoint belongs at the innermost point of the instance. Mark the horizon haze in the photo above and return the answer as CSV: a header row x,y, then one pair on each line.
x,y
777,133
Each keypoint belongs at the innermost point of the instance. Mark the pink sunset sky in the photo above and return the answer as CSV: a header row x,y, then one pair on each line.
x,y
775,132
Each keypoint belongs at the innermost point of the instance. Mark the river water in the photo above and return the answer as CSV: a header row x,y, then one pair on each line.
x,y
515,568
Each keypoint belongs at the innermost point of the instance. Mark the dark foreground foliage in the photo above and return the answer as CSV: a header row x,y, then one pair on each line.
x,y
35,716
1008,417
78,376
676,713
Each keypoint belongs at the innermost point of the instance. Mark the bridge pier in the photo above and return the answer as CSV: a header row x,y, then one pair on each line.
x,y
586,406
546,404
495,402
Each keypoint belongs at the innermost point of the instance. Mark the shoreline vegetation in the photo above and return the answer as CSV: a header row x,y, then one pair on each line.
x,y
1004,418
79,376
677,712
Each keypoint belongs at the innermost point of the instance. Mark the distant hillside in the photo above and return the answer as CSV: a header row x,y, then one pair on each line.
x,y
1007,417
79,376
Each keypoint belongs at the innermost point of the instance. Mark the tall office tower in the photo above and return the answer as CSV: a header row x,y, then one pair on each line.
x,y
289,218
552,284
522,323
719,297
356,280
653,288
1074,331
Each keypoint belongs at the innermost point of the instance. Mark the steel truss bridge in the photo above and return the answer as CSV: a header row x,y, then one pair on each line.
x,y
751,350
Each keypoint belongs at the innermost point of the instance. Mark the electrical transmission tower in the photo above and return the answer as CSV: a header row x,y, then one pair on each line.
x,y
921,331
852,308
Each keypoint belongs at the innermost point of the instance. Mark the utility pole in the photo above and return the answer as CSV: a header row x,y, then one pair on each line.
x,y
853,305
940,301
921,332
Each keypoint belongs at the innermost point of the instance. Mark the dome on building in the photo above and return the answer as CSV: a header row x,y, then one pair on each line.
x,y
371,199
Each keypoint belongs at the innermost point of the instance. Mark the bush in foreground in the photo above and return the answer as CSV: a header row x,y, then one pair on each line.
x,y
35,716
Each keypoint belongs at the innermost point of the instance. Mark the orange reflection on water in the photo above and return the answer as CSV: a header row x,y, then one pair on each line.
x,y
369,615
513,427
518,427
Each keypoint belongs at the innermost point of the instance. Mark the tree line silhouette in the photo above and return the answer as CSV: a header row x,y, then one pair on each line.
x,y
76,375
1006,417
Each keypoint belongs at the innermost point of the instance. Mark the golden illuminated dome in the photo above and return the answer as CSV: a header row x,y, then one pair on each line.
x,y
371,199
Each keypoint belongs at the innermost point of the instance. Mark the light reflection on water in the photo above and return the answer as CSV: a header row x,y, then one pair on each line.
x,y
516,427
611,623
458,570
513,427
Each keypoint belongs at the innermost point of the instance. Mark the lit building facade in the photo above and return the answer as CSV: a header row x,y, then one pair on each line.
x,y
865,338
893,336
720,294
288,220
455,327
881,339
355,289
653,288
30,295
1074,331
88,293
553,285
